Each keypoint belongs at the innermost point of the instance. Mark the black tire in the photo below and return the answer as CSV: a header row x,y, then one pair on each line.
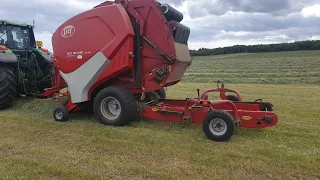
x,y
233,98
162,93
218,125
120,107
8,86
61,114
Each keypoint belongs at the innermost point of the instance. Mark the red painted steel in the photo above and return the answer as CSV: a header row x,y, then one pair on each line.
x,y
246,114
108,28
94,30
193,110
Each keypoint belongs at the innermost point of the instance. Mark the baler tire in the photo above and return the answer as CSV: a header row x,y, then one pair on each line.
x,y
162,93
224,119
233,98
123,99
61,114
8,86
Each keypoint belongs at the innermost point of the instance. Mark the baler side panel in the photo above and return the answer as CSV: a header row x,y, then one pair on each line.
x,y
79,91
156,29
99,29
104,32
121,63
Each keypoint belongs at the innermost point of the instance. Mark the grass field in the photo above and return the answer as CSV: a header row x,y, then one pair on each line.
x,y
34,146
298,67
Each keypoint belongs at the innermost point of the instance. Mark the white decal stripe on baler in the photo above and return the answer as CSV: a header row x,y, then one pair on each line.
x,y
81,80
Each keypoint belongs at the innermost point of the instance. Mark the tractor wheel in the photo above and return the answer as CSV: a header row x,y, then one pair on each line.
x,y
162,93
233,98
61,114
218,125
8,86
115,106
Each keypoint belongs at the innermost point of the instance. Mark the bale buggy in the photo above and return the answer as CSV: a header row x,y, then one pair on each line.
x,y
118,57
218,117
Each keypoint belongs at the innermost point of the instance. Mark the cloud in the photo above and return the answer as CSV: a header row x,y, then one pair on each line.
x,y
315,38
217,23
213,23
311,11
253,22
221,7
175,2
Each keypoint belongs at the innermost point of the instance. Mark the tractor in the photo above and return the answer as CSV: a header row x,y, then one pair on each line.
x,y
25,66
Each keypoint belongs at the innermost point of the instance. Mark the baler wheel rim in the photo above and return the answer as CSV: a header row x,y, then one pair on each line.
x,y
110,108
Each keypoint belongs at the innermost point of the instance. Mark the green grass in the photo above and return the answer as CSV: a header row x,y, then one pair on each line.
x,y
298,67
34,146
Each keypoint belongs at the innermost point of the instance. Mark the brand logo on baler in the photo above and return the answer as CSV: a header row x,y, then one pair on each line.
x,y
68,31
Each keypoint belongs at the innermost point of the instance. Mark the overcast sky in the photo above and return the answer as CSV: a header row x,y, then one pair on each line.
x,y
213,23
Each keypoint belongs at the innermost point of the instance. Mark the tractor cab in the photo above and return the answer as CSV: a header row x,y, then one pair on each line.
x,y
17,37
20,40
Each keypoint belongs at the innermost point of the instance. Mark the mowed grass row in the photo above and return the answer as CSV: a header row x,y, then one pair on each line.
x,y
298,67
34,146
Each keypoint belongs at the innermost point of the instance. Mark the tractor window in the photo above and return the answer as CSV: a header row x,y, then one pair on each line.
x,y
14,37
3,37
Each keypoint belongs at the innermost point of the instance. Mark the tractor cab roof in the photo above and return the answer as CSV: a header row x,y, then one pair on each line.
x,y
14,23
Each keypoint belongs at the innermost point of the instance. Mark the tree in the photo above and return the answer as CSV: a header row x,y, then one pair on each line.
x,y
299,45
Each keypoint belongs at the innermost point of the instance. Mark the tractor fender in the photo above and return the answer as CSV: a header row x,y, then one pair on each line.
x,y
8,58
45,57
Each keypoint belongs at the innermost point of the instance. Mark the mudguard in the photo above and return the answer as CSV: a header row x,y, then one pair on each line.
x,y
45,56
8,56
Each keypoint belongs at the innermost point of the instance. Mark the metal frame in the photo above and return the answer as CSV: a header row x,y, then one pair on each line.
x,y
194,110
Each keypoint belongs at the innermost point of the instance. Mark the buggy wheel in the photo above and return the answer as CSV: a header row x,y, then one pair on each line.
x,y
233,98
115,106
61,114
218,125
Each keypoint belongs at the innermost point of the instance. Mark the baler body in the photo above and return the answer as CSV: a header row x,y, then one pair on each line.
x,y
131,44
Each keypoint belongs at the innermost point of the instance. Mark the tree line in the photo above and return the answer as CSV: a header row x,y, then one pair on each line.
x,y
299,45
